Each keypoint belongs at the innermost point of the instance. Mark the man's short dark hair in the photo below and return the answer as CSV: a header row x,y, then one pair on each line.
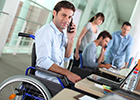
x,y
64,4
126,23
104,34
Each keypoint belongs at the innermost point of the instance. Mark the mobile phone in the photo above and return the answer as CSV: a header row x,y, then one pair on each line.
x,y
105,46
69,27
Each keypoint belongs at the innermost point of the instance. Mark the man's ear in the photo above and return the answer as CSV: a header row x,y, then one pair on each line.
x,y
101,38
121,28
54,13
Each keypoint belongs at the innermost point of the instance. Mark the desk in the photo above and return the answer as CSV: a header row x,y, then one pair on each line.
x,y
111,73
68,94
137,92
89,86
65,94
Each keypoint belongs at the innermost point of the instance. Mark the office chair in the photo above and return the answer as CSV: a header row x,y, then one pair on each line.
x,y
130,61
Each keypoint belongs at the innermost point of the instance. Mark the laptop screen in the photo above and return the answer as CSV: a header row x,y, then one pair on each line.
x,y
123,81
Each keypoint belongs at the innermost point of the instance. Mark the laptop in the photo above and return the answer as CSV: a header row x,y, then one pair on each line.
x,y
120,94
111,83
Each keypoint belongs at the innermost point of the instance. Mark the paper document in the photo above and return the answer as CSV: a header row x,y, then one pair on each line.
x,y
85,97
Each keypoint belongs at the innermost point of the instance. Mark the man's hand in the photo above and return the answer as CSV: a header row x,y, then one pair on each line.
x,y
72,35
126,64
107,66
123,68
73,77
70,42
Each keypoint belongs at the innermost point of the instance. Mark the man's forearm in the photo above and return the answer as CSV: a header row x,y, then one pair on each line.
x,y
100,59
69,48
71,76
126,64
55,68
101,66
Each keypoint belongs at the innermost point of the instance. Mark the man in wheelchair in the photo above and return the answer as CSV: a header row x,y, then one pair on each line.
x,y
53,47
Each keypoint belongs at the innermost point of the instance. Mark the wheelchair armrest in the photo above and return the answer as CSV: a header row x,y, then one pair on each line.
x,y
63,80
49,72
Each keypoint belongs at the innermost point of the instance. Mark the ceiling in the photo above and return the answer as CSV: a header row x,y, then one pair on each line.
x,y
125,9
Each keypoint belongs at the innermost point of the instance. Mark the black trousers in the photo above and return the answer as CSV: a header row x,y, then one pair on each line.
x,y
76,62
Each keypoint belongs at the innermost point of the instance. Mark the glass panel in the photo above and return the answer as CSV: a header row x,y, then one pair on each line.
x,y
29,18
2,2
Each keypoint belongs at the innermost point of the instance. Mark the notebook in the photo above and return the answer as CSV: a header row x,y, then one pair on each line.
x,y
111,83
112,69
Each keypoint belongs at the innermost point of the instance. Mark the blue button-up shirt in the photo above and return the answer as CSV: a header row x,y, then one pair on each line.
x,y
118,49
50,48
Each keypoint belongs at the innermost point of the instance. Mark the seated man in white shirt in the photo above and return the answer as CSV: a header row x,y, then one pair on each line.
x,y
89,55
52,49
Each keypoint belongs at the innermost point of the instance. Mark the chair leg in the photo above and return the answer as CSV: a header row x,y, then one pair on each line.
x,y
70,64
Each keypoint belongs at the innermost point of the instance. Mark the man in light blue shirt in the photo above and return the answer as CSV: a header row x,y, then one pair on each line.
x,y
89,54
120,47
53,47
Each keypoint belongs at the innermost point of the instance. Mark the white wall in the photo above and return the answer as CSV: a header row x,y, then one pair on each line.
x,y
10,7
118,27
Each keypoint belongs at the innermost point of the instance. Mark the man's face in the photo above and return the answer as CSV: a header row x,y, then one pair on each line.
x,y
105,41
125,30
62,18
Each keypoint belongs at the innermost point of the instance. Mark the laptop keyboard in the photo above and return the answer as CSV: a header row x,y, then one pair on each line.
x,y
106,82
128,94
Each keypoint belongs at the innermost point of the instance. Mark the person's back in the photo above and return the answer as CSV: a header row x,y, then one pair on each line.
x,y
90,49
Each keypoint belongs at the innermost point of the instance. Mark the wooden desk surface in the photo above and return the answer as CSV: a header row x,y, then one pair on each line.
x,y
111,73
89,86
137,92
65,94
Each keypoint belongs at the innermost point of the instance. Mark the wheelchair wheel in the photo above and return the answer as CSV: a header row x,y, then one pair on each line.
x,y
23,87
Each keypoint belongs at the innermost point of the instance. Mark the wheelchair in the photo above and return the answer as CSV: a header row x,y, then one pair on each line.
x,y
29,86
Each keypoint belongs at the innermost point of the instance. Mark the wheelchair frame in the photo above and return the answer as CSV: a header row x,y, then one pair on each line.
x,y
30,79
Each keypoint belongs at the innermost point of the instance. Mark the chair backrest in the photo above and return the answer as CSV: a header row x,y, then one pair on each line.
x,y
33,59
130,62
81,62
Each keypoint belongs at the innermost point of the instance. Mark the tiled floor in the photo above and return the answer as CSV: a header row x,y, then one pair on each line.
x,y
11,65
